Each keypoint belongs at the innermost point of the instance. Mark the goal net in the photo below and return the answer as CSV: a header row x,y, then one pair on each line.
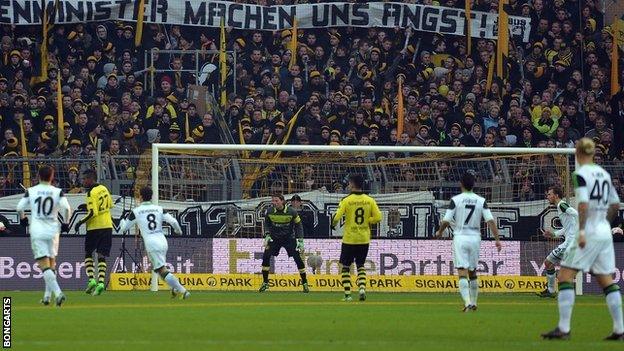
x,y
223,191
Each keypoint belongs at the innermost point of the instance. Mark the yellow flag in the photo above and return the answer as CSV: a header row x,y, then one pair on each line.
x,y
223,65
468,27
615,57
44,45
59,112
400,109
293,45
502,47
139,30
24,150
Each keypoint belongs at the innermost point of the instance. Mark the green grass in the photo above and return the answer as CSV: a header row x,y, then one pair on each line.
x,y
295,321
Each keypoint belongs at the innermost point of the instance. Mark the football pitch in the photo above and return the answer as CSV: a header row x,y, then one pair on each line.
x,y
297,321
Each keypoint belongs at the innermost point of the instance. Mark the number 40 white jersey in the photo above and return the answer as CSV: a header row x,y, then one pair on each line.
x,y
467,209
44,201
149,218
592,185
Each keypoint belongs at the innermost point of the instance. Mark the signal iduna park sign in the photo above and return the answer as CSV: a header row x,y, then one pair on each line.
x,y
323,282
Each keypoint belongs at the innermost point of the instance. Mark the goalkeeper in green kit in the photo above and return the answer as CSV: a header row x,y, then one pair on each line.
x,y
282,228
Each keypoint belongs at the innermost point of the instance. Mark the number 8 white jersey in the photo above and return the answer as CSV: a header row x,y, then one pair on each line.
x,y
149,218
592,185
467,209
44,201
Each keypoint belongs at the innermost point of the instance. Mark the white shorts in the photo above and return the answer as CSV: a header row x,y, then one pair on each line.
x,y
466,251
557,254
43,247
55,244
158,258
598,257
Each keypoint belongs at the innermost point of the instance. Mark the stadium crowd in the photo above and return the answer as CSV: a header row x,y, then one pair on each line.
x,y
344,84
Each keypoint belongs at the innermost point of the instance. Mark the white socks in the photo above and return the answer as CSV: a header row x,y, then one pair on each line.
x,y
51,283
474,291
464,290
566,302
614,302
174,283
551,277
47,294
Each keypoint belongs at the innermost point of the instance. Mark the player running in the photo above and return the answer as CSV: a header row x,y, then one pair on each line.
x,y
150,217
467,209
359,211
44,201
569,220
99,230
282,228
592,251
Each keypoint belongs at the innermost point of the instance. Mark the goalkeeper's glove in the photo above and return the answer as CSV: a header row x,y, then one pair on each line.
x,y
24,222
267,240
300,245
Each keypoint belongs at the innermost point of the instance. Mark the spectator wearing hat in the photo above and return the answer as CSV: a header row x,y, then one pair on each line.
x,y
75,149
152,136
373,134
335,137
422,137
474,137
173,136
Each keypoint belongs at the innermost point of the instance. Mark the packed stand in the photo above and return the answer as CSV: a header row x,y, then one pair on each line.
x,y
341,91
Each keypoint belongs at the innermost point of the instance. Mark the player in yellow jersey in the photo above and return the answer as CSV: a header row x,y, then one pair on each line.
x,y
99,230
360,211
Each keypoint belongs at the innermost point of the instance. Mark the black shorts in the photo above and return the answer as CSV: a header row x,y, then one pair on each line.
x,y
290,244
353,252
99,240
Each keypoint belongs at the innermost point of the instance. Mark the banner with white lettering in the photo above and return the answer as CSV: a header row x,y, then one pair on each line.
x,y
435,19
408,215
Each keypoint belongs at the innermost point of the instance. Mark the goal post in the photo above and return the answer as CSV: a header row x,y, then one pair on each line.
x,y
513,179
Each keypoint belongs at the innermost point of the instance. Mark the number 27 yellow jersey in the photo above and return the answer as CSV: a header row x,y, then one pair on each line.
x,y
100,202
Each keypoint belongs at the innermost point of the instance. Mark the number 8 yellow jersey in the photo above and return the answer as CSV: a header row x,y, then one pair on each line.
x,y
360,211
100,202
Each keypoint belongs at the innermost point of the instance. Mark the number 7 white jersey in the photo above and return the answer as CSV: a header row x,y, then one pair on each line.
x,y
467,209
592,185
44,201
149,218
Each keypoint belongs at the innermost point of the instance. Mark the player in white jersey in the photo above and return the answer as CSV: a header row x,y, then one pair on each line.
x,y
569,221
592,251
466,210
44,202
149,218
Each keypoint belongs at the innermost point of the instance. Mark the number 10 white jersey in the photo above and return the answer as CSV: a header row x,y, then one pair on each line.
x,y
467,209
149,218
44,201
